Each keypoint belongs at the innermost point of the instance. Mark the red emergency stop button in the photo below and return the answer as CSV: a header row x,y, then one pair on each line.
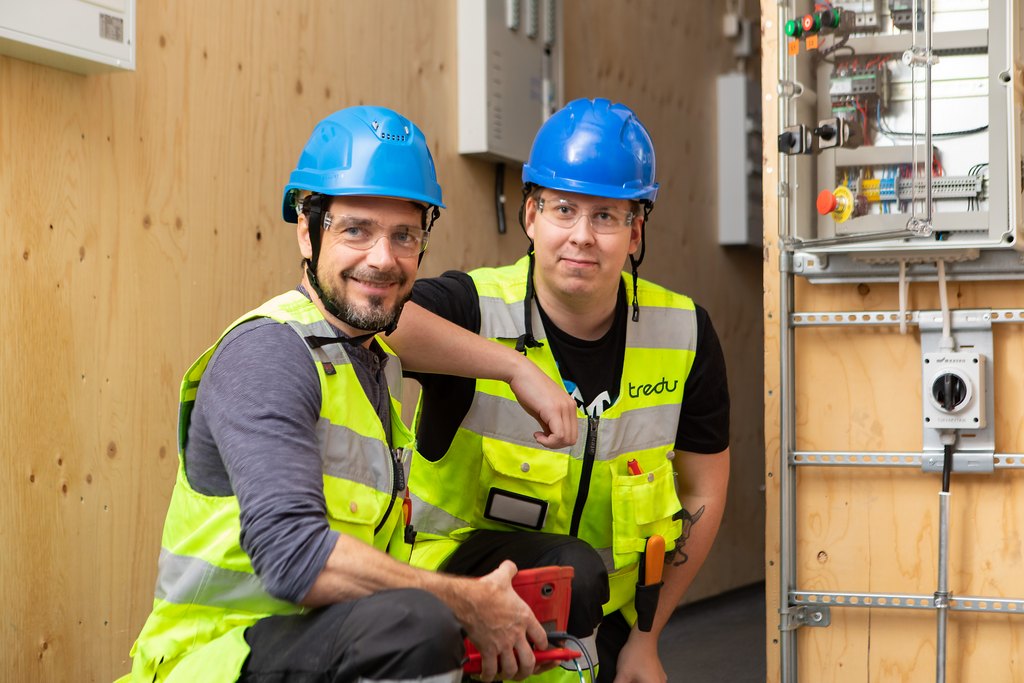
x,y
838,203
827,202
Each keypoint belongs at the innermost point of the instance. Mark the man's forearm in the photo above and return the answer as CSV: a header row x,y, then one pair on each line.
x,y
702,495
355,570
428,343
495,618
688,558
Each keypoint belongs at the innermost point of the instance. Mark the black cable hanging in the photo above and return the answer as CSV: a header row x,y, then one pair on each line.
x,y
499,196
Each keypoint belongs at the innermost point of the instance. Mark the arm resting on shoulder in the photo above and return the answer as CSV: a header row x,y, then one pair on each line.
x,y
428,343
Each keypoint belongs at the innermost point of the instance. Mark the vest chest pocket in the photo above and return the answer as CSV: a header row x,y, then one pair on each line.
x,y
520,486
352,508
643,505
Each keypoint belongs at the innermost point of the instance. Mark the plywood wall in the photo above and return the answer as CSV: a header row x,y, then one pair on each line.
x,y
139,214
876,530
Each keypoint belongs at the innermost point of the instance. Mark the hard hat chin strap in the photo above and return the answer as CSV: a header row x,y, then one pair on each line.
x,y
526,339
430,216
635,261
313,208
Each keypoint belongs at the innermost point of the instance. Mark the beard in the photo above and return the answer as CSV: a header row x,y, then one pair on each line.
x,y
375,314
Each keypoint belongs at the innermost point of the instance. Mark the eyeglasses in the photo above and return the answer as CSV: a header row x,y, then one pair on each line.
x,y
565,214
363,233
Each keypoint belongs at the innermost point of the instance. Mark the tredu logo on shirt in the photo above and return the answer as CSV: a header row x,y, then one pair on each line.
x,y
596,407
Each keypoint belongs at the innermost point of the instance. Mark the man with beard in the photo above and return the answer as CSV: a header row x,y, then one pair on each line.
x,y
284,547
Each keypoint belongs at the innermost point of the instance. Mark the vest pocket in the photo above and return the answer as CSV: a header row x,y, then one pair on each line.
x,y
643,505
352,508
524,482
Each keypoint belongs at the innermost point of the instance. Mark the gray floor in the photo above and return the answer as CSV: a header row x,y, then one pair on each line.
x,y
721,639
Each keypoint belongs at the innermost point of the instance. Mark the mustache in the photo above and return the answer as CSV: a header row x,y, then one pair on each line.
x,y
375,277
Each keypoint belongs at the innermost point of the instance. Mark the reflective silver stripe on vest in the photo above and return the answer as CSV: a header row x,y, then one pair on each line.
x,y
639,429
663,328
500,320
393,375
658,328
433,520
189,580
336,353
505,419
347,454
332,353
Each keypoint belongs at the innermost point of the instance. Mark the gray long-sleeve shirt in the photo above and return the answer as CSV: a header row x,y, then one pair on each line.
x,y
253,435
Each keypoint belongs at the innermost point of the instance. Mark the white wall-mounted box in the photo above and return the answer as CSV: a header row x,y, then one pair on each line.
x,y
509,74
83,36
739,160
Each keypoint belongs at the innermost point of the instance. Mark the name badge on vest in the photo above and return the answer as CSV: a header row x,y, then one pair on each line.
x,y
515,508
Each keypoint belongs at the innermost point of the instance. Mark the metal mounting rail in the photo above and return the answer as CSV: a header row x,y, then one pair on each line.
x,y
962,603
886,459
834,318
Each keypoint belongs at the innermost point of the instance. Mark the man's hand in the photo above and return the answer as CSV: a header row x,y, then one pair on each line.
x,y
639,661
501,626
547,403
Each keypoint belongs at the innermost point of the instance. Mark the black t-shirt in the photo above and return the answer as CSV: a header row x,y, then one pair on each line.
x,y
591,370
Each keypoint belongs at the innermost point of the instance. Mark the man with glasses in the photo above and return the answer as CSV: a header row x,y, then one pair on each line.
x,y
645,368
284,547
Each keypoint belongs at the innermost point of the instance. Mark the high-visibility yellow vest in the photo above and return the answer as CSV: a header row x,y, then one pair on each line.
x,y
207,593
495,471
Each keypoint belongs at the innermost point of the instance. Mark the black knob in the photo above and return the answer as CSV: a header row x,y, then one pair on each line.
x,y
787,141
829,18
825,132
949,391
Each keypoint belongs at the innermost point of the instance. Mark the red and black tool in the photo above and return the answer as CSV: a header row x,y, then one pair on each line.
x,y
547,590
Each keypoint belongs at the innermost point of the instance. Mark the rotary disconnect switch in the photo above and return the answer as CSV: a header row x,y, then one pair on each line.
x,y
949,391
954,390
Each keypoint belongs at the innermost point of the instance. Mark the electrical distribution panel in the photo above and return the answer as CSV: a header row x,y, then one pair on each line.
x,y
853,111
509,74
84,36
739,160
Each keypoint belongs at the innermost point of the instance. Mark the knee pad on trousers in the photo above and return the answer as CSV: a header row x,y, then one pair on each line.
x,y
589,583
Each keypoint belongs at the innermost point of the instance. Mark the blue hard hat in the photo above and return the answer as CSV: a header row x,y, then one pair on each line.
x,y
596,148
368,151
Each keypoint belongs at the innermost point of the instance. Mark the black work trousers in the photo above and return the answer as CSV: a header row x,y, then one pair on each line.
x,y
484,551
397,635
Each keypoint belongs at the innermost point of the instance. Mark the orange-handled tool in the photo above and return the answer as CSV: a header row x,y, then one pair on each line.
x,y
648,582
654,560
